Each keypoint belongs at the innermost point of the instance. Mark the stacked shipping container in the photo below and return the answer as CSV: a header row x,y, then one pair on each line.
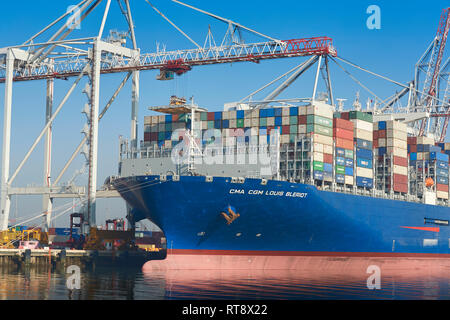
x,y
343,137
390,143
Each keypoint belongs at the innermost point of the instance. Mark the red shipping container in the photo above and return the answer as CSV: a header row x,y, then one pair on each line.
x,y
399,178
412,140
345,115
285,129
399,161
147,136
344,144
375,143
342,124
375,135
381,133
302,119
413,148
210,116
269,130
154,136
343,133
442,187
401,187
175,117
327,158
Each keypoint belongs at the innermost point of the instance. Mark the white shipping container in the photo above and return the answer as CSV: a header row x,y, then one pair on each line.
x,y
302,128
232,123
255,113
302,110
147,120
402,144
318,156
285,121
255,122
232,115
363,134
318,147
204,125
247,123
441,194
425,140
364,172
285,112
161,119
364,125
397,152
381,142
322,139
400,170
397,134
327,149
320,109
225,115
284,138
349,180
396,125
270,121
420,156
375,126
447,146
254,131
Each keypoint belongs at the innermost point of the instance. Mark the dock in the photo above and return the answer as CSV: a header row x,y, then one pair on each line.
x,y
85,259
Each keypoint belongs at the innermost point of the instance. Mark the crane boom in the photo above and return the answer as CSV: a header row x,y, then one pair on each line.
x,y
435,62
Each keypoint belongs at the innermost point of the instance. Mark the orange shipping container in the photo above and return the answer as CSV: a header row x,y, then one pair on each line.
x,y
343,133
344,144
342,124
442,187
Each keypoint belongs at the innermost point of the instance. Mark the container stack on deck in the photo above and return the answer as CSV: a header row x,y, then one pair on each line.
x,y
320,129
363,140
343,138
390,143
428,161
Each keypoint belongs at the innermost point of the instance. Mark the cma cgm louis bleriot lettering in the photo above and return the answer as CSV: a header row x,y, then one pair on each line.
x,y
267,187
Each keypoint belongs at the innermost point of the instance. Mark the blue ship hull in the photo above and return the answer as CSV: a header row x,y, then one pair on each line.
x,y
283,218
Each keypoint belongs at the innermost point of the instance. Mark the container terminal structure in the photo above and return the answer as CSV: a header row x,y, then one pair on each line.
x,y
317,166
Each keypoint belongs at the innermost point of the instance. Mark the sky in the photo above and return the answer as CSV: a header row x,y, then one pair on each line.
x,y
406,29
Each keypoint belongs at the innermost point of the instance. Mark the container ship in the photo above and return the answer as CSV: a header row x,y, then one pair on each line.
x,y
266,187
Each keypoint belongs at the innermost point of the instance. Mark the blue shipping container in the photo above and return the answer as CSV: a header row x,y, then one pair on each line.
x,y
293,111
363,153
442,180
413,156
327,167
278,112
340,152
365,144
381,125
340,161
364,182
438,156
442,172
348,162
348,171
442,164
364,163
318,175
340,178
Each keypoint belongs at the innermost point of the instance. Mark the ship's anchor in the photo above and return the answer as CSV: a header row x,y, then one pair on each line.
x,y
231,216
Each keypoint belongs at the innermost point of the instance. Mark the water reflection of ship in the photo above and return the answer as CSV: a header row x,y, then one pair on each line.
x,y
318,278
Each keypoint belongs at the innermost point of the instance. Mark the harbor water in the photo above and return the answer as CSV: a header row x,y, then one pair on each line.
x,y
408,281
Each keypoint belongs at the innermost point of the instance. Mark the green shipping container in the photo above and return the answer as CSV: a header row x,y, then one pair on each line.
x,y
240,123
349,154
204,116
262,122
292,137
318,166
361,116
337,115
312,119
340,169
293,129
161,135
325,131
210,124
293,120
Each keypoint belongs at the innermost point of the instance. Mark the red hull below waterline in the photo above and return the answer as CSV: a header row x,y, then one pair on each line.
x,y
276,260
